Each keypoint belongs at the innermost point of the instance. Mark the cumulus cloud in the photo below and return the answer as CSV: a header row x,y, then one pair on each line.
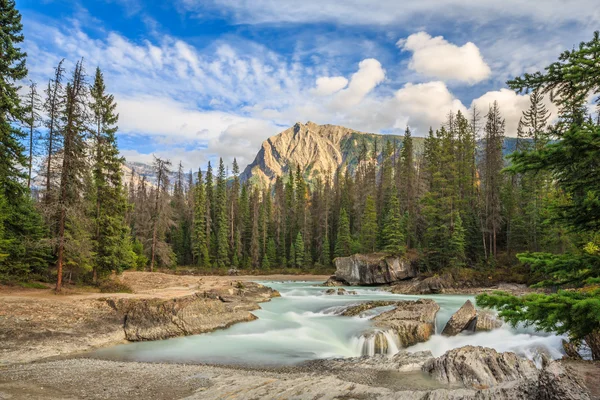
x,y
436,57
370,74
329,85
426,104
511,107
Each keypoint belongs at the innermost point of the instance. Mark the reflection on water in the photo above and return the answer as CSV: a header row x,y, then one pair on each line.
x,y
303,325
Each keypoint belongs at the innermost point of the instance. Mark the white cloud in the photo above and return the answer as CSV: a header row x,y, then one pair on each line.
x,y
436,57
426,104
511,107
388,12
370,74
329,85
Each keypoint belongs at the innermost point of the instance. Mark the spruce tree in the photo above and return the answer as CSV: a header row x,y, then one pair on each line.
x,y
12,65
299,248
221,226
343,242
407,188
73,242
573,163
457,242
368,233
33,105
199,239
112,245
53,106
393,232
493,163
326,252
160,251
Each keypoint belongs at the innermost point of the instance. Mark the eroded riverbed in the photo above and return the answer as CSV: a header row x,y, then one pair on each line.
x,y
303,324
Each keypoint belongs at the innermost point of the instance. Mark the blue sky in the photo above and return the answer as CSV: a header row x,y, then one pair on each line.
x,y
198,79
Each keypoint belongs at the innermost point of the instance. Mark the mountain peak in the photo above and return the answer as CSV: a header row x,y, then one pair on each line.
x,y
319,150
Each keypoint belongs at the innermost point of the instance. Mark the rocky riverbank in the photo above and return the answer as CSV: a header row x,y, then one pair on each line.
x,y
36,324
465,373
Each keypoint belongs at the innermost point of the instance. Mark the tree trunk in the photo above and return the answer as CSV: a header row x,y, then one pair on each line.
x,y
49,161
61,248
593,340
30,146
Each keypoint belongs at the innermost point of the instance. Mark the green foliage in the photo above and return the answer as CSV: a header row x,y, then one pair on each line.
x,y
299,249
457,242
222,242
393,232
572,162
368,233
343,244
574,312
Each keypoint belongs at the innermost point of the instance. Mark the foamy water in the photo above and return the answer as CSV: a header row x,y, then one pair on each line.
x,y
305,324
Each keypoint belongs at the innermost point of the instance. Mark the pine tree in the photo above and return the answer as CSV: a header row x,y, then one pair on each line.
x,y
493,163
457,242
161,216
407,188
33,105
221,226
573,162
343,243
53,106
368,234
393,232
73,245
326,253
12,65
270,255
21,230
112,246
199,239
299,248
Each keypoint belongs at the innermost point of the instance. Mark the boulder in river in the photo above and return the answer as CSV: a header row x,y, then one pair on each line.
x,y
412,321
467,318
461,319
479,367
333,281
373,269
486,321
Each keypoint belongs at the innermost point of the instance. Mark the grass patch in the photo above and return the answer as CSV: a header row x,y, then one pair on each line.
x,y
32,285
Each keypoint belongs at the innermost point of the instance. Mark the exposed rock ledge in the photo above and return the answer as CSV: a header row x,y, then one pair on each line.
x,y
38,324
373,269
469,373
156,319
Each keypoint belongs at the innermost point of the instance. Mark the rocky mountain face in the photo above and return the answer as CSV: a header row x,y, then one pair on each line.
x,y
319,150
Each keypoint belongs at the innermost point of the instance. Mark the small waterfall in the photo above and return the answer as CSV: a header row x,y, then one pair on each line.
x,y
378,342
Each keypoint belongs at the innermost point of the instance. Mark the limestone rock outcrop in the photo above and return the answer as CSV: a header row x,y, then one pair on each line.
x,y
556,382
162,318
480,367
373,269
412,321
